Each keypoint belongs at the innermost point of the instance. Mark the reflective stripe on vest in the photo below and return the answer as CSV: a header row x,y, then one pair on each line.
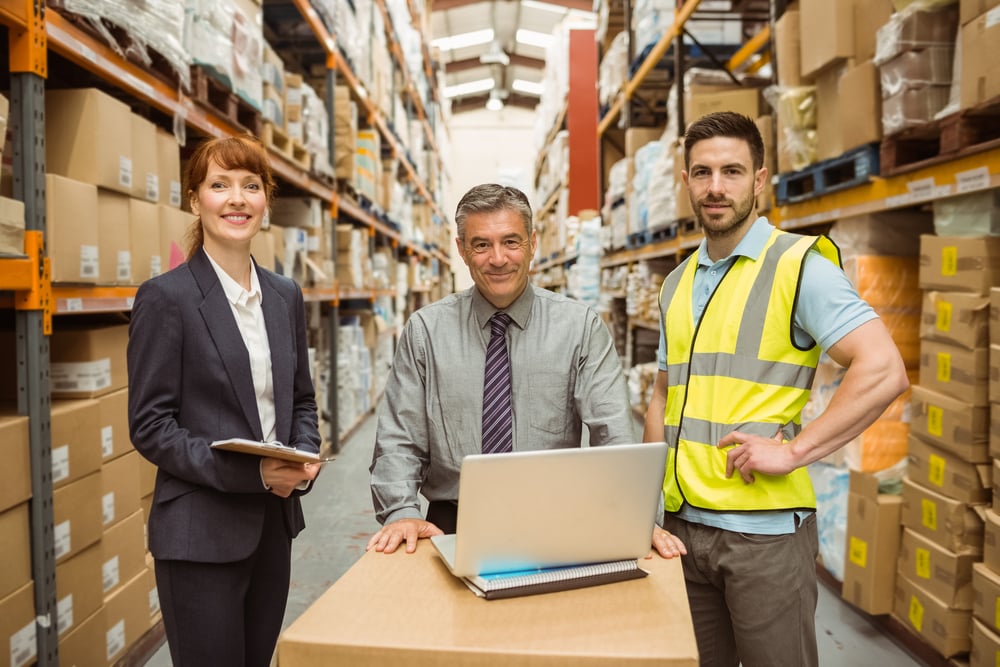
x,y
740,369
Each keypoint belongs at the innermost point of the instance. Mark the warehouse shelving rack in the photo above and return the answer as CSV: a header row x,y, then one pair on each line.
x,y
33,31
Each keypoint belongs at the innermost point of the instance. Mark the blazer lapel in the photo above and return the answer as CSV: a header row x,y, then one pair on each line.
x,y
281,339
218,316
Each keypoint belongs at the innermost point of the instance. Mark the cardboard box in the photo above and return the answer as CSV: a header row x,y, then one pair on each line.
x,y
75,440
15,473
175,226
262,249
147,477
979,80
869,16
970,9
126,617
85,643
829,124
88,362
78,588
16,539
986,596
947,474
17,627
942,573
637,137
114,249
955,371
873,537
121,488
913,107
145,166
860,106
112,418
828,30
11,226
957,318
144,234
985,650
168,168
995,430
72,236
152,595
994,325
959,264
953,524
123,552
76,510
746,101
931,65
994,390
946,630
991,540
953,425
86,138
650,617
787,46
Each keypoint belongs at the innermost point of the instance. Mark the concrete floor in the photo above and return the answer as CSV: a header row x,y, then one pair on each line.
x,y
340,520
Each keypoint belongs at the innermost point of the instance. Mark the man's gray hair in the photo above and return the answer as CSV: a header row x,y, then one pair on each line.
x,y
490,198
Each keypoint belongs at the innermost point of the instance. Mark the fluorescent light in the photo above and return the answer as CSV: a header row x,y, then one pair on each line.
x,y
529,87
469,88
544,6
464,39
533,38
494,104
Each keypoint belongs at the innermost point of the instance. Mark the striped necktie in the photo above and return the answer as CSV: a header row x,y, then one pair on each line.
x,y
498,419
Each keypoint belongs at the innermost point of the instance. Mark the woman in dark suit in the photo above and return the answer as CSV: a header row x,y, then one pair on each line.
x,y
217,349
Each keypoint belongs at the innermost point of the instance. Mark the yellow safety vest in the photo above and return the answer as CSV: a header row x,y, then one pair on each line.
x,y
739,369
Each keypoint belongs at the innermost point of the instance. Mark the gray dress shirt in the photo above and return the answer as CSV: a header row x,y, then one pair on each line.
x,y
565,373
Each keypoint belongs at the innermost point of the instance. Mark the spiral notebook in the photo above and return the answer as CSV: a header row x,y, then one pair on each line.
x,y
547,513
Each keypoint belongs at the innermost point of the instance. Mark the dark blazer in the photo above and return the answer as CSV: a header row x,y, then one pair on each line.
x,y
189,384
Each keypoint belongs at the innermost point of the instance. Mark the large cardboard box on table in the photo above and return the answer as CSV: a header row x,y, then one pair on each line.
x,y
979,80
88,360
956,371
15,473
88,137
873,536
78,588
956,317
76,440
72,236
17,627
16,540
953,524
946,630
959,264
76,510
949,475
951,424
942,573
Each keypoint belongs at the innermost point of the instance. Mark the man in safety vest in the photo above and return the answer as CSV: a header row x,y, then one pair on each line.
x,y
743,322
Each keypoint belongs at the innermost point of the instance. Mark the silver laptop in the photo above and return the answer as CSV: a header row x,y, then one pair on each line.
x,y
551,508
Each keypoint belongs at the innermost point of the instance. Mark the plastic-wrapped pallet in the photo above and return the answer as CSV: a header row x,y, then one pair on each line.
x,y
613,70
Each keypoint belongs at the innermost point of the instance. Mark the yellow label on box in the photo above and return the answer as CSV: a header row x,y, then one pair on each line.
x,y
943,322
923,563
996,619
949,260
935,470
996,659
944,367
928,513
935,420
858,552
916,613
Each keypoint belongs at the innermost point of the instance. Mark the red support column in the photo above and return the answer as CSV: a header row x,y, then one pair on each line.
x,y
581,122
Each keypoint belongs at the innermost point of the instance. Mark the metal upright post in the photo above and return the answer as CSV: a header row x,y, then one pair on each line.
x,y
33,319
333,322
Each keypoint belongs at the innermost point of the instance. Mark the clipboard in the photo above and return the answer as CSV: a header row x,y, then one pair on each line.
x,y
274,450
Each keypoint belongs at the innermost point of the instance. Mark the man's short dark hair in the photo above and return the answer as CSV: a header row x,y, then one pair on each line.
x,y
489,198
725,124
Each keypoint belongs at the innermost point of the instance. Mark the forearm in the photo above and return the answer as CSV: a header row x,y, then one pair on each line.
x,y
653,426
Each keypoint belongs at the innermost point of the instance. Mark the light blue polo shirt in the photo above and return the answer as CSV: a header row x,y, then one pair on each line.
x,y
828,308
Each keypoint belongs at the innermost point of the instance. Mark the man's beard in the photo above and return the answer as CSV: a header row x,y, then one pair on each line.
x,y
740,214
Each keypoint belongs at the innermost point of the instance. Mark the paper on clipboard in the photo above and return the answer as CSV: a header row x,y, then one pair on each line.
x,y
274,450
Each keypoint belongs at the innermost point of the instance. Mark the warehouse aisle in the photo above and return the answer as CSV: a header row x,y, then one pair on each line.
x,y
339,520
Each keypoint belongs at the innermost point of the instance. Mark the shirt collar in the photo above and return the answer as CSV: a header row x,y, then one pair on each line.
x,y
235,293
750,246
518,311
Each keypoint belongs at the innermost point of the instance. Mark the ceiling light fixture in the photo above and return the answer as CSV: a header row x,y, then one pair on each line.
x,y
533,38
462,40
528,87
495,56
495,103
469,88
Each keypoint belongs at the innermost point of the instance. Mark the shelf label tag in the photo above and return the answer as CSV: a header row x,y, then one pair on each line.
x,y
922,189
973,179
73,306
897,201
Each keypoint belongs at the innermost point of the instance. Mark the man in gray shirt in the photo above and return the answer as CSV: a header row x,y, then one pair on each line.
x,y
564,373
